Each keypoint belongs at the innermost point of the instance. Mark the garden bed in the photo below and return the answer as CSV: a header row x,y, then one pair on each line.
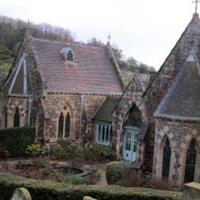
x,y
42,169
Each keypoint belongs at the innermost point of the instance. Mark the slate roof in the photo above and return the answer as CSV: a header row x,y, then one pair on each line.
x,y
92,71
182,101
106,110
191,33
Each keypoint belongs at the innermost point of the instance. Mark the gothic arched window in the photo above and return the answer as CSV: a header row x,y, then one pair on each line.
x,y
190,162
60,125
16,118
67,125
166,159
134,117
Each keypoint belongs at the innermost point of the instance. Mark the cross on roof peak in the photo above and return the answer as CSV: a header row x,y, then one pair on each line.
x,y
109,37
196,2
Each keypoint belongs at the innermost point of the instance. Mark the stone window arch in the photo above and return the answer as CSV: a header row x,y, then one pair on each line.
x,y
166,160
16,118
190,162
64,124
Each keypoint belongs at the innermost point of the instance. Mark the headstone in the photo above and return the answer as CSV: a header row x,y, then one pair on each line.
x,y
21,194
191,191
88,198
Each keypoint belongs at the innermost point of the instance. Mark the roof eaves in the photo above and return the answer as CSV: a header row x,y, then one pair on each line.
x,y
177,117
115,63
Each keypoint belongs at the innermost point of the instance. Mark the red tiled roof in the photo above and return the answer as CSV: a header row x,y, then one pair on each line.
x,y
92,71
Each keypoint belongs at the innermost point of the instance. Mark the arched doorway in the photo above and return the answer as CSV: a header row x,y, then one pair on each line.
x,y
190,162
166,159
131,130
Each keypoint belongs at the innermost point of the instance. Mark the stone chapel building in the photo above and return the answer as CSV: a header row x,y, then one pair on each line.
x,y
57,87
159,128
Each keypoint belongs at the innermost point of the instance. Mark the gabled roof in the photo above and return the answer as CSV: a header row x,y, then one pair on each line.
x,y
188,37
91,72
182,101
106,110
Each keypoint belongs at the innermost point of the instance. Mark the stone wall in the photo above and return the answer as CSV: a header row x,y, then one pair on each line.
x,y
166,75
10,106
54,104
180,135
131,95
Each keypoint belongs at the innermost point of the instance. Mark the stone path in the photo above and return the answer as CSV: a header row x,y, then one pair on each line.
x,y
102,170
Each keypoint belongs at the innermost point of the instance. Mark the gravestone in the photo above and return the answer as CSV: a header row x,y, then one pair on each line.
x,y
21,194
191,191
88,198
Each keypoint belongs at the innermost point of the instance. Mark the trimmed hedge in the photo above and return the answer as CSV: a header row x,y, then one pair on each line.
x,y
119,172
14,141
43,190
123,173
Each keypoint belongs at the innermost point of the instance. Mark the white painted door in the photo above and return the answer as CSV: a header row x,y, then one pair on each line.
x,y
130,142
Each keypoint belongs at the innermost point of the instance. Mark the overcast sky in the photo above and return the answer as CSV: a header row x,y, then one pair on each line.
x,y
144,29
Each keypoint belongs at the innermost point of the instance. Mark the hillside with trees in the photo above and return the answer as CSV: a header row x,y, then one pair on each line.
x,y
12,32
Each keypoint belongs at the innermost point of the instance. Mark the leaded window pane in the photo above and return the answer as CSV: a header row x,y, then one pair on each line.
x,y
60,125
166,159
16,118
190,163
67,125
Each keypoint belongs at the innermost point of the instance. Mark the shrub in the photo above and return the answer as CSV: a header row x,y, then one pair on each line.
x,y
35,149
43,190
72,149
16,140
122,173
93,177
99,152
57,152
74,180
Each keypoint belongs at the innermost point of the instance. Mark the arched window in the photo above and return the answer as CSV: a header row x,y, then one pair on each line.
x,y
60,125
166,159
67,125
16,118
190,162
134,117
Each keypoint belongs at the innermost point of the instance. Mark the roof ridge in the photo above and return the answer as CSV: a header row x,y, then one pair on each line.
x,y
74,43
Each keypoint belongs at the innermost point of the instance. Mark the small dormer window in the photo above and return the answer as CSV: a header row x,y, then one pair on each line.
x,y
67,54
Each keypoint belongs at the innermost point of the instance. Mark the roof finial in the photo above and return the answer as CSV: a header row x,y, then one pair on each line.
x,y
196,2
109,37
